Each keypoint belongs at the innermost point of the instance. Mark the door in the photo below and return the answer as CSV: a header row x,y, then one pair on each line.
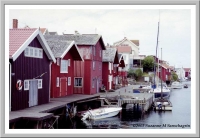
x,y
97,88
63,86
33,93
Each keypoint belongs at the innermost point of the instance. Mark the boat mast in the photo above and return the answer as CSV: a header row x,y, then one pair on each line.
x,y
161,78
156,54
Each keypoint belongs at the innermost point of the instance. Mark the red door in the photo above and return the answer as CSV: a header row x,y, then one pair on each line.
x,y
63,86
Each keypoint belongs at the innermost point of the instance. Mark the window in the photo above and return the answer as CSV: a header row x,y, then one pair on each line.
x,y
68,62
64,66
40,53
78,82
124,57
33,52
26,84
93,65
26,52
57,82
94,51
39,83
58,61
69,81
36,52
93,81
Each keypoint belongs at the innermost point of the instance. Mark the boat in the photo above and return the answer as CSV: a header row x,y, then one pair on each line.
x,y
176,85
185,86
100,113
163,105
161,101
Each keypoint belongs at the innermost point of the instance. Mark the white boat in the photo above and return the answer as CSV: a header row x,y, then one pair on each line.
x,y
163,105
157,92
100,113
176,85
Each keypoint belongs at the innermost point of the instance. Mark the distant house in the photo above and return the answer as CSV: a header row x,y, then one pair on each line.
x,y
44,31
87,74
134,54
122,73
29,58
187,72
62,72
166,72
181,73
110,65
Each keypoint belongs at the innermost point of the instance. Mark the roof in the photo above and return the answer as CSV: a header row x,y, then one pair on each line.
x,y
124,49
43,30
19,39
53,33
109,55
83,39
118,43
165,66
136,42
187,69
61,48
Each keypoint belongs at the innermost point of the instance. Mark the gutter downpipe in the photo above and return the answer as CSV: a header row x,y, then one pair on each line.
x,y
10,87
50,80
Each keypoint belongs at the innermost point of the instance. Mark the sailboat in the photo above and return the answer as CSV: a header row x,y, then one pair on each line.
x,y
158,88
162,103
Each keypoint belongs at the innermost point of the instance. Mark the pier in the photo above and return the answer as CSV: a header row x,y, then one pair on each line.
x,y
48,114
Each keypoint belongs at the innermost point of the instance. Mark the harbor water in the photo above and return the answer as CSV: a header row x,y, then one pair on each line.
x,y
132,118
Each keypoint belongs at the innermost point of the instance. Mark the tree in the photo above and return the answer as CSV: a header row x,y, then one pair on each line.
x,y
138,74
148,64
174,76
130,73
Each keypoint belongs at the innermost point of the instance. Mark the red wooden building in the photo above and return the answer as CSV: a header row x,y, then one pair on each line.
x,y
87,73
29,60
110,65
62,72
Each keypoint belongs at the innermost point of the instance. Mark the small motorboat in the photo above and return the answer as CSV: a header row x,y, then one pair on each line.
x,y
176,85
185,86
101,113
163,105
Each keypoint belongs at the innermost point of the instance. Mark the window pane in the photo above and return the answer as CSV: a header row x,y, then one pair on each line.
x,y
26,52
31,51
36,52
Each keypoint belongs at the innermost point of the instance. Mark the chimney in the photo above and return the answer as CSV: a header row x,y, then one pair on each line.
x,y
15,23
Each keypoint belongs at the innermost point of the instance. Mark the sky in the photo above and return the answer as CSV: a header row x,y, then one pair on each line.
x,y
115,24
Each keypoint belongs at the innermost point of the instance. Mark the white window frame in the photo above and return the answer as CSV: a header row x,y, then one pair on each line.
x,y
94,51
62,66
93,65
40,54
39,84
93,81
26,52
69,62
36,52
57,82
26,88
27,84
75,81
69,81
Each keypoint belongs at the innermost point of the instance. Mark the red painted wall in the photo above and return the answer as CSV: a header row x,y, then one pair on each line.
x,y
85,69
27,68
55,72
105,74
